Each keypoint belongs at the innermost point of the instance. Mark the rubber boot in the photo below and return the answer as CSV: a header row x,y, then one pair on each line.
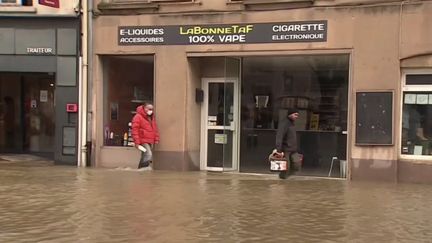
x,y
283,175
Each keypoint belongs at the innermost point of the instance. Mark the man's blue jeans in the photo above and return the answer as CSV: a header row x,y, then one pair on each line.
x,y
147,156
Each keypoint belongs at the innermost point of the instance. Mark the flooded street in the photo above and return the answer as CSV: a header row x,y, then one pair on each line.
x,y
65,204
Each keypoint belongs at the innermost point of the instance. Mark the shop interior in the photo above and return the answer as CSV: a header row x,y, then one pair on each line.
x,y
27,118
318,87
128,83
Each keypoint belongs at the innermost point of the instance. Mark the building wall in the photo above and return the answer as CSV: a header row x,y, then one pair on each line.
x,y
376,35
193,109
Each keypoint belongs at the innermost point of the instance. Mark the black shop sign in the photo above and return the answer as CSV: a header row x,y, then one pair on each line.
x,y
284,32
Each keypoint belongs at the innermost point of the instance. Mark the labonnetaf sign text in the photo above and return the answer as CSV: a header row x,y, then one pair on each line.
x,y
304,31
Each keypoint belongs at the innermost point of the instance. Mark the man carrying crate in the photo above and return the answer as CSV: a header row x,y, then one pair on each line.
x,y
286,141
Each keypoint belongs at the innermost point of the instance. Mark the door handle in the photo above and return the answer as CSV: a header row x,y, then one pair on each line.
x,y
345,132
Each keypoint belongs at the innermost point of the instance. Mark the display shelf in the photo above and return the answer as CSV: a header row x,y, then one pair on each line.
x,y
329,106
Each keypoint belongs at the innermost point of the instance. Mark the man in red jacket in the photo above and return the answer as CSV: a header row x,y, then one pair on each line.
x,y
145,133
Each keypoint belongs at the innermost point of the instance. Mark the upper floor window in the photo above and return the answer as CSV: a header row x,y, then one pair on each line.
x,y
170,1
273,4
151,1
17,2
11,2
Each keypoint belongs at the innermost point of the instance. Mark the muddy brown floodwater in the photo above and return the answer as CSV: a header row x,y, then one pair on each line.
x,y
67,204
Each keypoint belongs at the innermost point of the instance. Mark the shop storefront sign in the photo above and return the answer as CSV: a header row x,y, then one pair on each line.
x,y
288,32
40,50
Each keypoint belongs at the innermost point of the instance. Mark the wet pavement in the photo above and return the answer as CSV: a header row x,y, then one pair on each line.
x,y
40,203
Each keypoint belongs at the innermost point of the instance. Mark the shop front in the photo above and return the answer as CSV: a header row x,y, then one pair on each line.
x,y
243,99
38,82
221,83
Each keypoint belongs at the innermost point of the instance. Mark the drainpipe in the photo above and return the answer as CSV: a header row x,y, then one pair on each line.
x,y
83,100
89,116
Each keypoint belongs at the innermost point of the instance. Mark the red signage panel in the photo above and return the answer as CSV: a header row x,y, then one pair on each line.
x,y
50,3
71,108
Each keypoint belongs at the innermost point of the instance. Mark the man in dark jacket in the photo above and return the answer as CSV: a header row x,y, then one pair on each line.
x,y
145,133
286,139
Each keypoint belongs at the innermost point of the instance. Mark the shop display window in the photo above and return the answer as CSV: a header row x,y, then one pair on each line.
x,y
315,85
128,83
417,115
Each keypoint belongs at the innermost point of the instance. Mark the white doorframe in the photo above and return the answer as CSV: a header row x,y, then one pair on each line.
x,y
234,127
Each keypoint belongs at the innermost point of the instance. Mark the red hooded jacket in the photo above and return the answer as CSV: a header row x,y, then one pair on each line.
x,y
144,128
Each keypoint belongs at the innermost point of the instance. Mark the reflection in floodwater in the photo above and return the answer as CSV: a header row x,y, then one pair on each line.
x,y
66,204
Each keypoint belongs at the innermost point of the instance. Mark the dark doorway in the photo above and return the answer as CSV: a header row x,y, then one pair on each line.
x,y
27,116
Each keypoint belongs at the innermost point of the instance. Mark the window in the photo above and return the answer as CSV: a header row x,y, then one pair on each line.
x,y
171,1
17,2
272,4
153,1
417,114
27,2
317,86
11,2
128,83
